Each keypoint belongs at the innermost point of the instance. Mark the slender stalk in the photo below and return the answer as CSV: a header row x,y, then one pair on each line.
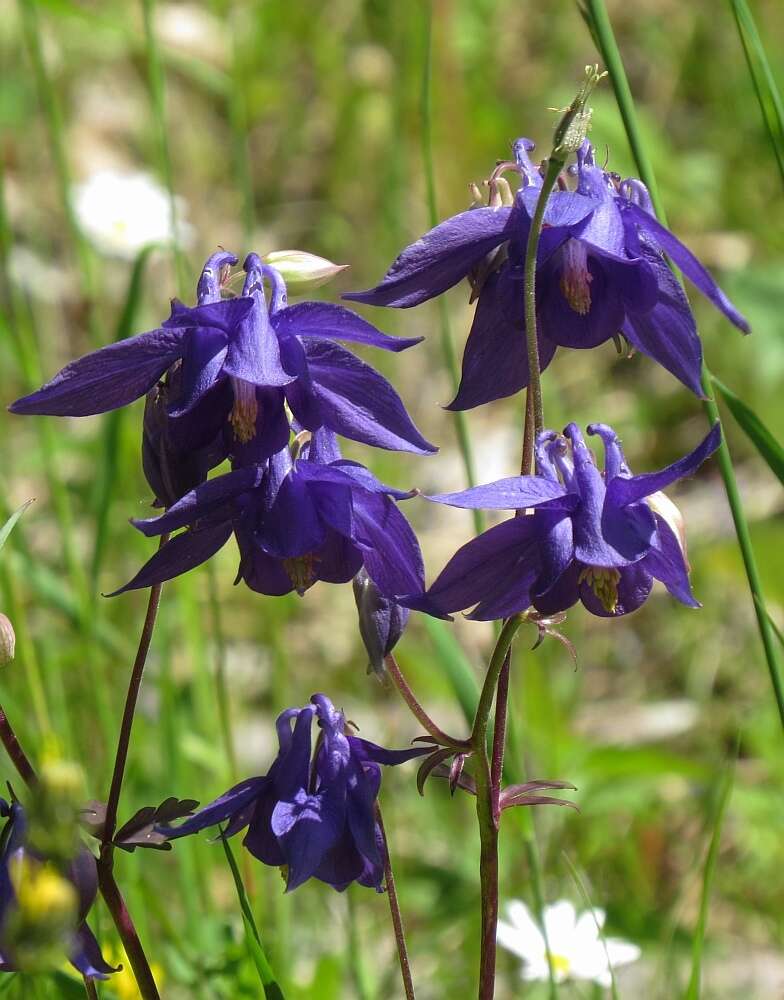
x,y
531,247
13,747
499,735
394,909
447,346
127,931
419,713
612,59
482,716
124,739
89,988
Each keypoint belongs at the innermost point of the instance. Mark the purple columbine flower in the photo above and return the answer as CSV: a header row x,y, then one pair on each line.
x,y
318,517
240,361
313,818
598,538
601,272
85,952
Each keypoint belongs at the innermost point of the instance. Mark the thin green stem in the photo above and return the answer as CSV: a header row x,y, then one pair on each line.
x,y
612,58
394,910
532,343
157,84
447,345
482,716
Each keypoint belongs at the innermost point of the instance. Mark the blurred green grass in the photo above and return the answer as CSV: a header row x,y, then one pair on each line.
x,y
298,126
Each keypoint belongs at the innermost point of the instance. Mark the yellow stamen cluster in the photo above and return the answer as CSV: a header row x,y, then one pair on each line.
x,y
604,583
244,412
302,571
560,963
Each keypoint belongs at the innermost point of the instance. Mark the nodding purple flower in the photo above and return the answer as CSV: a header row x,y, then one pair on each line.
x,y
598,538
237,362
601,272
296,521
84,952
312,814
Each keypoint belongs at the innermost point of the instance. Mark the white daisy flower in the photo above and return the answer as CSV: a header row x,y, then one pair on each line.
x,y
120,213
576,950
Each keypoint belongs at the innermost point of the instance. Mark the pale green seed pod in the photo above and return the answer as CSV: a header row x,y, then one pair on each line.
x,y
7,640
302,271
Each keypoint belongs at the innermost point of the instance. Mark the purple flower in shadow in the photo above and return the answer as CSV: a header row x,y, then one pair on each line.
x,y
238,361
598,538
319,517
84,952
601,271
312,814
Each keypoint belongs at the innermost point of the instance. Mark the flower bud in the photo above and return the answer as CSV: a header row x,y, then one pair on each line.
x,y
302,271
381,621
576,120
7,640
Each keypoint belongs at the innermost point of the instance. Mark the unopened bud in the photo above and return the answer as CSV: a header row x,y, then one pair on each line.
x,y
7,640
381,621
302,271
576,121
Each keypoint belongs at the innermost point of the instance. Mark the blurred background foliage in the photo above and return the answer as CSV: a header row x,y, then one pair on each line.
x,y
298,125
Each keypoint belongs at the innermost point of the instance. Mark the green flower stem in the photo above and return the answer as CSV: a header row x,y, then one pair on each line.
x,y
447,346
532,344
417,710
394,909
487,808
612,59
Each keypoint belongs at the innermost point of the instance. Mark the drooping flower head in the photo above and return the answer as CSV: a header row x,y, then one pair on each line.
x,y
296,521
598,538
43,905
233,363
601,272
312,814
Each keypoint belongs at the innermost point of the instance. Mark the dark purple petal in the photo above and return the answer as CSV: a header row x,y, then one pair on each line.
x,y
629,530
358,403
510,594
388,544
110,377
272,430
253,351
204,351
293,527
686,261
561,324
224,315
307,827
86,955
205,499
299,394
621,492
439,259
338,560
381,620
235,800
495,361
666,562
322,319
634,586
514,493
322,448
667,333
556,553
561,594
360,818
485,565
208,287
565,209
364,750
184,552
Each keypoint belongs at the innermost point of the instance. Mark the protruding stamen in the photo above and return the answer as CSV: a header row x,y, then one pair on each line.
x,y
245,410
302,571
603,581
575,276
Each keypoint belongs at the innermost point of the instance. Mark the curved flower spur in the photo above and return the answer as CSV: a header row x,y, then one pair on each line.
x,y
598,538
239,361
601,273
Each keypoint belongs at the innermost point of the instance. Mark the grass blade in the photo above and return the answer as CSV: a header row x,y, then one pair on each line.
x,y
581,888
767,92
693,989
755,430
272,990
8,527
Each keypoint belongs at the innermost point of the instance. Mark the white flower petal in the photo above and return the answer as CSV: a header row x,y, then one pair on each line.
x,y
559,922
526,945
622,952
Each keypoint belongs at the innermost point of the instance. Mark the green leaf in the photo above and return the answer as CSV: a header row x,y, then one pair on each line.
x,y
8,527
272,990
755,430
765,87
